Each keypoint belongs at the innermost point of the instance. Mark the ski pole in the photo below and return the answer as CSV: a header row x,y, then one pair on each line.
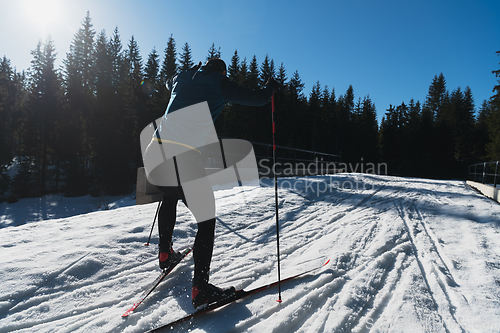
x,y
154,220
276,201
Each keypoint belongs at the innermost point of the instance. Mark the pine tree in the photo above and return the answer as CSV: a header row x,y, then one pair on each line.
x,y
260,116
436,96
282,110
243,72
108,74
186,60
332,126
296,86
253,74
213,52
281,75
349,100
151,71
151,81
80,60
390,140
367,131
310,120
344,115
169,67
232,118
127,153
103,65
36,116
152,86
116,56
462,122
324,122
5,77
437,133
53,122
493,147
7,108
267,70
414,151
14,114
134,63
234,67
239,121
80,86
292,110
481,135
42,126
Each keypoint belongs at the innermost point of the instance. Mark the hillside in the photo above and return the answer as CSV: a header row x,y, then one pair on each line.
x,y
412,255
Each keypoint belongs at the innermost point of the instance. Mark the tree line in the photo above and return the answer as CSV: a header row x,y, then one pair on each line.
x,y
75,129
440,137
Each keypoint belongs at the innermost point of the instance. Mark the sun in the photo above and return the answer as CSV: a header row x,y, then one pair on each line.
x,y
44,15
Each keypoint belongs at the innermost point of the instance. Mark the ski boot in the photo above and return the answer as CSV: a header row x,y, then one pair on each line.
x,y
167,259
204,293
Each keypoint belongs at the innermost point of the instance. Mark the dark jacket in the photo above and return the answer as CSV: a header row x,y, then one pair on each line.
x,y
192,87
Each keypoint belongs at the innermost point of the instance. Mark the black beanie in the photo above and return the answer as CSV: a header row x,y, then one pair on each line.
x,y
215,65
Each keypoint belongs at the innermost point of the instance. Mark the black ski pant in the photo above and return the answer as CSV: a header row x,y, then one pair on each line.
x,y
204,242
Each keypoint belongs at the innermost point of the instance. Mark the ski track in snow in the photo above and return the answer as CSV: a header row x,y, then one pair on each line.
x,y
407,255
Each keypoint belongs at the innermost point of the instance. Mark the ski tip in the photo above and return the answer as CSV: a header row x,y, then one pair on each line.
x,y
129,311
326,263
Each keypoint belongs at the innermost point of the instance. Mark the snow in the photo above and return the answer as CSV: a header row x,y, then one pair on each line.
x,y
407,255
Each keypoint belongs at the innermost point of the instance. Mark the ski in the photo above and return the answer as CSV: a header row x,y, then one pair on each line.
x,y
237,296
156,282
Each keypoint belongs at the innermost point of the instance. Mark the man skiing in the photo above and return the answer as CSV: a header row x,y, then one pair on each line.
x,y
198,95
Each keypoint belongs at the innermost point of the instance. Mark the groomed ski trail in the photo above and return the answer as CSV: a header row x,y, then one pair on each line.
x,y
407,254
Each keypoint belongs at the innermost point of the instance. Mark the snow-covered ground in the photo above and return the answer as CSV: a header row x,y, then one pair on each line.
x,y
55,206
407,255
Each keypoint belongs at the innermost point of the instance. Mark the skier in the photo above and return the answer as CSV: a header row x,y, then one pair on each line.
x,y
189,90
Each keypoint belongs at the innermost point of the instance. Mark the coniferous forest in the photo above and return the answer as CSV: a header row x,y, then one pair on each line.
x,y
75,129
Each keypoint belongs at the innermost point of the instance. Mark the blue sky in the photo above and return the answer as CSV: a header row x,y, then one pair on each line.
x,y
389,50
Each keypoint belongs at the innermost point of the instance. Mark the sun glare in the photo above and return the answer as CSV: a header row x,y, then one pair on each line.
x,y
44,15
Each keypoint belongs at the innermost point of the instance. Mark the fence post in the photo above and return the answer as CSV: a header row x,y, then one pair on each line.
x,y
496,173
484,172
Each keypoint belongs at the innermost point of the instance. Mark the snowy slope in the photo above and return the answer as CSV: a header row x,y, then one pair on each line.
x,y
407,255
